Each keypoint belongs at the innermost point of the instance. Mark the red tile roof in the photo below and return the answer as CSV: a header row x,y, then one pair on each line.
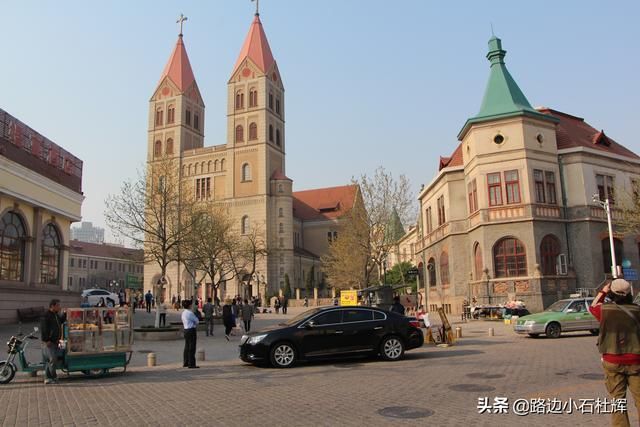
x,y
573,131
256,47
278,175
324,203
178,68
105,251
454,160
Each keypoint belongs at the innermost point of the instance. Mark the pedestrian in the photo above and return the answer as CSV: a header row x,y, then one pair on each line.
x,y
208,310
121,297
285,304
147,300
190,324
276,305
51,330
234,313
227,318
247,315
619,343
306,302
162,310
396,307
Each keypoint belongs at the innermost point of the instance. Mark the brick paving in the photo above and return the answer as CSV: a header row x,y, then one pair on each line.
x,y
227,392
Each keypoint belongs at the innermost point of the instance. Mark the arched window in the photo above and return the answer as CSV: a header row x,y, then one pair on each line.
x,y
239,100
215,165
431,268
169,148
509,258
209,166
253,131
549,251
157,149
246,172
171,114
50,255
244,225
444,268
159,117
278,137
222,165
281,228
618,247
253,97
477,261
189,169
280,188
280,212
12,247
195,169
271,133
239,133
202,167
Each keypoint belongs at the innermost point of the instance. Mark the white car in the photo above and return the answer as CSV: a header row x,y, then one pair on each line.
x,y
94,295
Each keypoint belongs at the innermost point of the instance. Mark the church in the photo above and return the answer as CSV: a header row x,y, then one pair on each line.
x,y
247,174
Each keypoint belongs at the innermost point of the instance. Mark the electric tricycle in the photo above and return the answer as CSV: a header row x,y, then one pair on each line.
x,y
95,340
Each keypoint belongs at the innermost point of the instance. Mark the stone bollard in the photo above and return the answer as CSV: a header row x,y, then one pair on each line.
x,y
458,332
151,359
200,355
490,332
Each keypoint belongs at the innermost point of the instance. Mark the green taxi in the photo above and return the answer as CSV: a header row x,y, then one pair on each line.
x,y
567,315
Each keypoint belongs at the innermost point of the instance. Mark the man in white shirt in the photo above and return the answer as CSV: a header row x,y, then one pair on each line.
x,y
190,323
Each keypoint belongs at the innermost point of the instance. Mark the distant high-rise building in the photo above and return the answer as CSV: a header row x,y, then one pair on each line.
x,y
87,233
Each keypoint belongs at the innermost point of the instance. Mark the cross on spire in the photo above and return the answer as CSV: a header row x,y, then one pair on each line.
x,y
180,21
257,7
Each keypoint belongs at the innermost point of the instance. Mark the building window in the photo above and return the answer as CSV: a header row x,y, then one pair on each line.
x,y
277,105
278,137
477,261
239,100
281,228
538,179
512,186
280,213
157,149
549,251
280,188
169,148
71,262
495,189
50,255
188,117
551,187
281,242
203,188
335,236
244,225
605,187
444,268
253,98
222,165
196,122
171,114
246,172
158,117
271,101
239,133
271,133
429,220
618,248
473,196
12,247
441,217
509,258
253,131
329,239
431,268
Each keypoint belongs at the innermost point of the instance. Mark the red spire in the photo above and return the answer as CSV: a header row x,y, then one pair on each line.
x,y
178,69
256,47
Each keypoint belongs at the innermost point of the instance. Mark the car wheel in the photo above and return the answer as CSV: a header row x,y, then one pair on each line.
x,y
283,355
595,331
534,335
392,348
110,302
7,372
553,330
95,373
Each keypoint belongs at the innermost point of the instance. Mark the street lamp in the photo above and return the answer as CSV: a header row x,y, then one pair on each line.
x,y
606,205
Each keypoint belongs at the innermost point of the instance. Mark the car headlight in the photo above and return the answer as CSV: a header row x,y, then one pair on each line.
x,y
529,323
256,339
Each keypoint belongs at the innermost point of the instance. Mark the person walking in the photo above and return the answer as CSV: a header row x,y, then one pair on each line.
x,y
234,313
247,314
276,305
396,307
306,302
162,310
147,301
51,332
285,304
208,310
227,318
619,343
190,323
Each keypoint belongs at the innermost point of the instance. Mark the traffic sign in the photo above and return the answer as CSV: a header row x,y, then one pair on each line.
x,y
412,272
630,274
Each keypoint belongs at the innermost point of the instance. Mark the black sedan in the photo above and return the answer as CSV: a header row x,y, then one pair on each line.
x,y
331,332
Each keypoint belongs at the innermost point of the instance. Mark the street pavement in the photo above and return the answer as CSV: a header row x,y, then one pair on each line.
x,y
431,386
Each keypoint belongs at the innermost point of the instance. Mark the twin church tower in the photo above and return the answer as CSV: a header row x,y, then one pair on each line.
x,y
247,174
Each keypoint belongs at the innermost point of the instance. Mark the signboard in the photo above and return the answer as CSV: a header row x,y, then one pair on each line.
x,y
412,272
132,282
630,274
349,298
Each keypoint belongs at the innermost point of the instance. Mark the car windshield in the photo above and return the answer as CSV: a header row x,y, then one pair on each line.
x,y
558,306
301,317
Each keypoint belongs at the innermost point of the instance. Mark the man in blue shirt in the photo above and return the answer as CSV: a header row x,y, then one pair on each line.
x,y
190,323
147,301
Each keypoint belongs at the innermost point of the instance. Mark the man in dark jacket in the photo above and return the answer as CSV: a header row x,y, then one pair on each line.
x,y
396,307
619,343
51,330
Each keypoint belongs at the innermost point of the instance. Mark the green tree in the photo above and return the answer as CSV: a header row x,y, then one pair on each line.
x,y
398,275
628,201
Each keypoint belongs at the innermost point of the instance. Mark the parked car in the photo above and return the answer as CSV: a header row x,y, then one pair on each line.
x,y
332,332
566,315
94,295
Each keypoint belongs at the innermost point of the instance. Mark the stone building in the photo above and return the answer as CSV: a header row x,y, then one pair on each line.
x,y
87,232
40,196
510,213
100,265
247,173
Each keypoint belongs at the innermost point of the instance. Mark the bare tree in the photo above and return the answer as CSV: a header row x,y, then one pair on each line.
x,y
628,201
245,252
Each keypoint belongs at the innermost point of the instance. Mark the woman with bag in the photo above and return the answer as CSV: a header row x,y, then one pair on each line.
x,y
227,318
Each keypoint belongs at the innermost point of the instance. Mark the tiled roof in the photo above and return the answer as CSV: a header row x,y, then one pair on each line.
x,y
305,253
178,68
454,160
324,203
105,251
256,47
278,175
573,131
